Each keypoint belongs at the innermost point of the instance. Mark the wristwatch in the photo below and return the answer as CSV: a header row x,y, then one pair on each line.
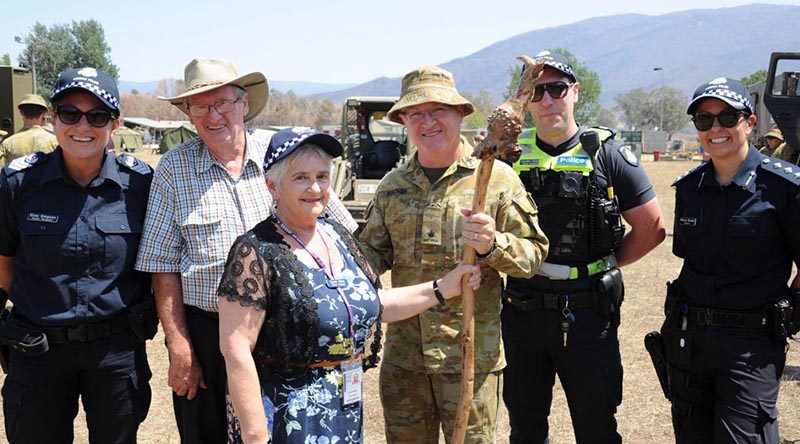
x,y
437,292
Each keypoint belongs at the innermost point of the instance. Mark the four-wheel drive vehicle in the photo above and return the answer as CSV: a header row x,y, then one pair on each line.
x,y
373,146
776,99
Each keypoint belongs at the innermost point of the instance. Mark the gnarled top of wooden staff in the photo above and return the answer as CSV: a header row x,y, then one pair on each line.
x,y
505,124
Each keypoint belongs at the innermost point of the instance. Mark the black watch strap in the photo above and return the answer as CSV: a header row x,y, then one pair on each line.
x,y
437,292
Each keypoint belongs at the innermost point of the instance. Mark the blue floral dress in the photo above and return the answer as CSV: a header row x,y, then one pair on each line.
x,y
307,406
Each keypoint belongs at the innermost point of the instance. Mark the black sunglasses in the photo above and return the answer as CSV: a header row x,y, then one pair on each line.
x,y
70,115
728,119
557,90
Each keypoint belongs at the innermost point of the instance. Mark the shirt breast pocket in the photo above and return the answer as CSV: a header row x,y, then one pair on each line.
x,y
204,238
750,237
44,245
120,234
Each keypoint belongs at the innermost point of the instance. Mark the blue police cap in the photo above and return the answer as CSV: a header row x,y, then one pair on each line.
x,y
285,141
95,81
730,91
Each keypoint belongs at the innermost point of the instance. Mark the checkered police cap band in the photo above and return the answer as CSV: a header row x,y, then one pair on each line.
x,y
95,89
556,61
731,95
287,140
730,91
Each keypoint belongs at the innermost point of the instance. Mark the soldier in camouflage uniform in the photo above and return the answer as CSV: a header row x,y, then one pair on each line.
x,y
32,137
783,151
417,225
773,139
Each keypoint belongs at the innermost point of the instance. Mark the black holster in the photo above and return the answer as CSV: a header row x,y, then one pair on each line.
x,y
20,336
654,344
609,292
143,318
783,320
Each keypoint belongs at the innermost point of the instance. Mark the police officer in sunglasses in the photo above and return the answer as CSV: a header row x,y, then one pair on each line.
x,y
564,320
730,310
70,223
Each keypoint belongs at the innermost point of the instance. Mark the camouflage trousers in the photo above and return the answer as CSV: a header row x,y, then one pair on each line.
x,y
416,404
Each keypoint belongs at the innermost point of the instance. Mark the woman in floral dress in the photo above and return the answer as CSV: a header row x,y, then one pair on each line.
x,y
298,304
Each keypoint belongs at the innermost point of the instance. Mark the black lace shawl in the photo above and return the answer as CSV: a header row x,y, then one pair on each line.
x,y
288,339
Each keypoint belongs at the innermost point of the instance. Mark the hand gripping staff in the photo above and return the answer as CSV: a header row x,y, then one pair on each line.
x,y
505,124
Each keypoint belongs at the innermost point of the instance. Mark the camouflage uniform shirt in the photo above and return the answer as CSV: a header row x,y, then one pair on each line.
x,y
26,142
414,228
786,153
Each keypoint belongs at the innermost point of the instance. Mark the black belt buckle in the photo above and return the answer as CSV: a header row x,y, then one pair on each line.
x,y
78,333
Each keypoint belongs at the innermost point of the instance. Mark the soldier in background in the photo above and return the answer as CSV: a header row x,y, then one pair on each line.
x,y
32,137
773,138
417,226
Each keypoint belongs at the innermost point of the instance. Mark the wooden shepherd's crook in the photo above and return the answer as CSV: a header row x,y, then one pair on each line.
x,y
505,124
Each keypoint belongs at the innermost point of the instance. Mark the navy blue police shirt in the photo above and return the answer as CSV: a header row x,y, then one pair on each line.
x,y
739,240
632,188
74,247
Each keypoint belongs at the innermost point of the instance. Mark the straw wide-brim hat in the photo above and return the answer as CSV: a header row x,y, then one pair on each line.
x,y
775,132
203,75
428,84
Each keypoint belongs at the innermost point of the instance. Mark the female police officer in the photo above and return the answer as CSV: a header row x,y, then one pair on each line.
x,y
736,220
70,223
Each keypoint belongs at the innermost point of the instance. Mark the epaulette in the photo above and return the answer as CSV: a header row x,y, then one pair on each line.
x,y
134,164
23,163
688,173
782,169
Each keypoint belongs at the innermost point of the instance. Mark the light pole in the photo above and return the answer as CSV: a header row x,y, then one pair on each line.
x,y
33,60
661,122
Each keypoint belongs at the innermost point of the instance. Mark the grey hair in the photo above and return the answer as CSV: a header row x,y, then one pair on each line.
x,y
277,171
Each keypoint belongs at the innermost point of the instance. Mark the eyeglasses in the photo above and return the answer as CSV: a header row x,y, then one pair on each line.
x,y
70,115
728,119
557,90
222,106
435,113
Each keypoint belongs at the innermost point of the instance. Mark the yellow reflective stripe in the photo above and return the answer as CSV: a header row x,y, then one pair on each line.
x,y
593,268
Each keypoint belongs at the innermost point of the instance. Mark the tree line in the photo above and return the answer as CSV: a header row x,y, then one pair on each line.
x,y
82,43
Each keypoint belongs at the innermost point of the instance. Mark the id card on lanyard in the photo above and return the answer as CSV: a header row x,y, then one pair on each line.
x,y
352,382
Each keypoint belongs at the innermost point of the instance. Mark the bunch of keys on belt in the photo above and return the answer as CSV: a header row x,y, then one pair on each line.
x,y
569,318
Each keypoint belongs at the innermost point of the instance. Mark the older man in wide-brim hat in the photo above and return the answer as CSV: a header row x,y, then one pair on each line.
x,y
206,192
416,228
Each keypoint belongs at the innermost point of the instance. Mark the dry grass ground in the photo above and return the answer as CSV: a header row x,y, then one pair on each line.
x,y
644,413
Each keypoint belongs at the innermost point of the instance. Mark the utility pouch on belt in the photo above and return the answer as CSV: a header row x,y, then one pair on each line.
x,y
782,320
143,318
654,344
21,337
609,292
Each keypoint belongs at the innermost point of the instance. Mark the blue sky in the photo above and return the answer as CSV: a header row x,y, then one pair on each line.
x,y
345,41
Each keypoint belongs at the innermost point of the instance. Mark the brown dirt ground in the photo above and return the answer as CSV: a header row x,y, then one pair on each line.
x,y
644,414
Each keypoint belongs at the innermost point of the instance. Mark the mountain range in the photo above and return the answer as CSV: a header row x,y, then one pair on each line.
x,y
691,46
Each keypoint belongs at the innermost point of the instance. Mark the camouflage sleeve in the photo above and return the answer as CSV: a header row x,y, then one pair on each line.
x,y
520,245
2,154
375,239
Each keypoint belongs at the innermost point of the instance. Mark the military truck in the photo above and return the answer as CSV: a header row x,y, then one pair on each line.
x,y
14,83
776,99
373,146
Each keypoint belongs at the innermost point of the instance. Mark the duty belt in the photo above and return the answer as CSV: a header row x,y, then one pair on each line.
x,y
554,301
722,318
565,272
87,332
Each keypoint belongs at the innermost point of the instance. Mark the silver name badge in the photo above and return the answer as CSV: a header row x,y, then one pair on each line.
x,y
688,221
40,217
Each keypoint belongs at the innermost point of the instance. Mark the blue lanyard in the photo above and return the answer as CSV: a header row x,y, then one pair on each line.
x,y
331,281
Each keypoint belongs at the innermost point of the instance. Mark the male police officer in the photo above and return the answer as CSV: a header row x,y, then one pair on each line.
x,y
416,228
564,320
32,137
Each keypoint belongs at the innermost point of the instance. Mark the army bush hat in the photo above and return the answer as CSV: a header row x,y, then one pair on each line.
x,y
202,75
775,132
428,84
33,99
557,61
95,81
730,91
285,141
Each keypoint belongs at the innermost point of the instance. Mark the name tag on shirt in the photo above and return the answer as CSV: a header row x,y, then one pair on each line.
x,y
41,217
352,381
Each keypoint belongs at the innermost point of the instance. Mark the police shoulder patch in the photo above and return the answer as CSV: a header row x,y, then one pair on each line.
x,y
628,155
23,163
785,170
134,164
688,173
